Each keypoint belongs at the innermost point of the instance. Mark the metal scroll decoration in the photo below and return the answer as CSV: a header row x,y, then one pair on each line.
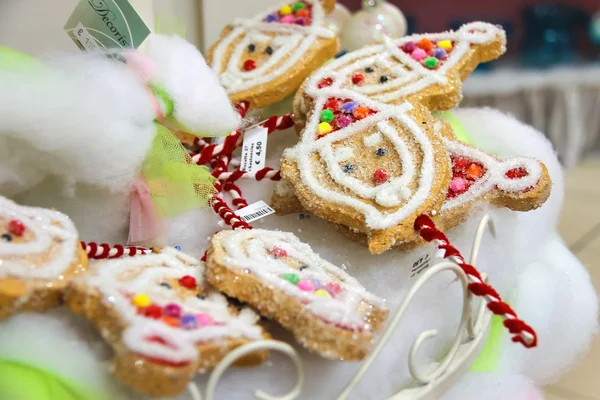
x,y
430,381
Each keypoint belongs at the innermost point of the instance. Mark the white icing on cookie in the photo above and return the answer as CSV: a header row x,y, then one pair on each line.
x,y
410,75
50,229
290,43
118,280
251,250
343,153
373,140
495,175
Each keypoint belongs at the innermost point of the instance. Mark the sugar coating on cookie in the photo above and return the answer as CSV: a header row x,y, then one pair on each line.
x,y
36,243
255,53
160,299
327,310
398,68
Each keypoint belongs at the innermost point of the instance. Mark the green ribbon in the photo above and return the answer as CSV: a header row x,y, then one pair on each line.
x,y
458,129
20,381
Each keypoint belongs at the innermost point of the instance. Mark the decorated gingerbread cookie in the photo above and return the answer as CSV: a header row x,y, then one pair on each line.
x,y
265,59
163,323
327,310
366,165
424,68
39,254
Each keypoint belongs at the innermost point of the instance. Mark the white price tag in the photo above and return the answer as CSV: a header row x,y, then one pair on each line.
x,y
254,149
255,211
84,37
427,259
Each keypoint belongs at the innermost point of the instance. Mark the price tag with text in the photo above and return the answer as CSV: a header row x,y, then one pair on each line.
x,y
255,211
254,149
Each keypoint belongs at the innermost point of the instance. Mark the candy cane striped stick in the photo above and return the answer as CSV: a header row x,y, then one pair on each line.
x,y
265,173
97,251
522,332
235,139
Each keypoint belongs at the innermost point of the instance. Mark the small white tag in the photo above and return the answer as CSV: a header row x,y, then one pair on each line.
x,y
254,149
255,211
427,259
84,37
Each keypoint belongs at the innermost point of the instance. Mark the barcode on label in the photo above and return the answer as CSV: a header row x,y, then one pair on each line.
x,y
255,211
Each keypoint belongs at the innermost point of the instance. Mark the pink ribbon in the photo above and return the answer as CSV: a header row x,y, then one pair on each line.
x,y
144,221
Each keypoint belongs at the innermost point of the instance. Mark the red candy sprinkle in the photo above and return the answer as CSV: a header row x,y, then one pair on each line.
x,y
516,173
380,176
16,227
333,288
279,252
188,281
460,164
357,78
332,104
302,13
324,83
153,311
249,65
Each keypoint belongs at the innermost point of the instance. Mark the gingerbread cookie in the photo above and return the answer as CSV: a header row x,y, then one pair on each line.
x,y
326,309
163,323
424,68
369,166
265,59
39,254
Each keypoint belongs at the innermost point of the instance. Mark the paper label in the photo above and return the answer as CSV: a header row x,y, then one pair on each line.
x,y
426,260
254,149
106,24
255,211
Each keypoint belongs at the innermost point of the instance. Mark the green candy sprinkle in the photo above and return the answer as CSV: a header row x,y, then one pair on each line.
x,y
293,278
298,6
431,62
326,116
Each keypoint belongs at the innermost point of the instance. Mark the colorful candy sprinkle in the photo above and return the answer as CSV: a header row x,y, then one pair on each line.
x,y
333,288
326,116
316,284
306,286
172,310
431,62
425,44
188,282
171,321
271,18
357,78
285,10
16,227
278,252
380,176
460,164
474,172
458,184
324,83
249,65
323,293
292,278
360,112
349,107
516,173
302,13
439,53
204,319
418,54
287,19
300,21
153,311
141,300
409,47
188,321
324,128
445,44
332,104
342,121
298,6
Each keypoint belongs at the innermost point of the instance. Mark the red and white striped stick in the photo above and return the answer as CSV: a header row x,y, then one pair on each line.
x,y
522,332
100,251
